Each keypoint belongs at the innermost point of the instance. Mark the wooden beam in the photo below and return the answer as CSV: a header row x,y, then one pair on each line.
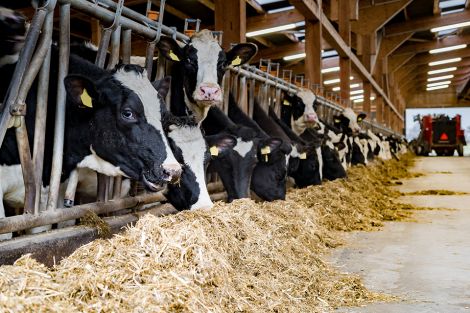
x,y
230,17
426,23
208,4
265,42
395,62
278,52
373,18
344,62
272,20
388,45
313,60
255,5
435,44
424,58
436,10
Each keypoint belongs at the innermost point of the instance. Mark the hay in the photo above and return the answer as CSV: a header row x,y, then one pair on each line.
x,y
239,257
92,220
435,192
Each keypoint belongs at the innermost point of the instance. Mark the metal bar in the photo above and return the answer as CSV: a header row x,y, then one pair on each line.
x,y
64,52
117,187
26,166
23,62
126,46
103,47
26,221
115,43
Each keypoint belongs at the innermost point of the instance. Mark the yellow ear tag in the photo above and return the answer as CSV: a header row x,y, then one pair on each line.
x,y
266,150
286,102
359,119
237,61
303,156
337,121
173,56
214,151
86,99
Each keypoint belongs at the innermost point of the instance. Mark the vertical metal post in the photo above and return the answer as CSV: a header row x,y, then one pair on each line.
x,y
64,52
115,42
26,165
126,46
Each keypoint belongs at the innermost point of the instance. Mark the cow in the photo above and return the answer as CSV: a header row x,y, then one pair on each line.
x,y
298,110
198,69
12,35
304,165
270,173
113,124
348,122
236,166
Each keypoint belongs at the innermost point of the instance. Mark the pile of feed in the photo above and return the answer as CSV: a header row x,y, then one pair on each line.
x,y
239,257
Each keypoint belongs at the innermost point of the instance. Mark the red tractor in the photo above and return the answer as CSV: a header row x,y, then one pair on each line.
x,y
441,134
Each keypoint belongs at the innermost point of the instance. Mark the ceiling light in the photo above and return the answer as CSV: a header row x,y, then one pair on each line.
x,y
433,79
451,3
350,86
445,49
437,87
372,98
331,81
336,89
463,24
453,60
445,82
442,70
294,56
356,92
291,7
330,69
357,97
271,30
358,100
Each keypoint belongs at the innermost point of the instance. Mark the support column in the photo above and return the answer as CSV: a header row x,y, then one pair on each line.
x,y
230,17
313,61
344,62
379,109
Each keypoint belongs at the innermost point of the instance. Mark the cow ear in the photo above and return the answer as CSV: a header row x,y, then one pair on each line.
x,y
241,54
170,49
162,86
220,144
81,91
361,117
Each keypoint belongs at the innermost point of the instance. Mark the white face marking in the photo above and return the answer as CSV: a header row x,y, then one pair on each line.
x,y
352,117
147,94
320,161
9,59
308,98
193,147
243,147
207,53
94,162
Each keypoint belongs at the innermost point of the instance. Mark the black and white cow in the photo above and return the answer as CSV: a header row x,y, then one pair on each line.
x,y
348,122
198,70
298,110
236,166
113,124
269,176
12,32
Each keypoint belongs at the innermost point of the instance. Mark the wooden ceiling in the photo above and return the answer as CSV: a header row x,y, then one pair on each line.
x,y
398,32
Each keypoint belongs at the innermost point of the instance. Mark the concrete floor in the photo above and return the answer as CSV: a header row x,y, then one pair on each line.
x,y
427,264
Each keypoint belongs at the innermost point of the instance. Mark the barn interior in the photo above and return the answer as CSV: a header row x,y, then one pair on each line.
x,y
404,64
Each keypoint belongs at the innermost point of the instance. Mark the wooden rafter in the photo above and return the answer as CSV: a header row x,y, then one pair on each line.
x,y
271,20
255,5
438,43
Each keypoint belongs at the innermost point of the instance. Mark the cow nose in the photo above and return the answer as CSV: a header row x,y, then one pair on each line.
x,y
172,173
311,117
209,92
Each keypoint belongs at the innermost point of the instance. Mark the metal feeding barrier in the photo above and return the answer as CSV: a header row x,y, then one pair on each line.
x,y
119,24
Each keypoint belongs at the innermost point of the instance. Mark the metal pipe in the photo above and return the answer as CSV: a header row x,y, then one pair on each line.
x,y
64,52
26,221
103,47
26,165
115,44
126,46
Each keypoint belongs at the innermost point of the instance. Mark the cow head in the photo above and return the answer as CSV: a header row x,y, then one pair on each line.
x,y
349,122
236,166
194,151
299,111
12,35
203,63
268,180
125,127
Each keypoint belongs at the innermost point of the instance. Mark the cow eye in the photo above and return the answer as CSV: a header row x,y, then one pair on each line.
x,y
128,114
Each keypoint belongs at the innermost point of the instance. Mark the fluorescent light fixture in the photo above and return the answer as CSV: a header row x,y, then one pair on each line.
x,y
453,60
442,70
330,69
445,82
336,89
271,30
445,49
372,98
358,100
357,97
294,56
451,3
437,87
329,53
433,79
350,86
291,7
452,11
263,2
351,77
331,81
458,25
357,92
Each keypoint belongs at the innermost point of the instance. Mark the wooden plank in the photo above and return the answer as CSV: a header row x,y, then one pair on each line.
x,y
313,59
230,17
255,5
426,23
344,26
271,20
208,4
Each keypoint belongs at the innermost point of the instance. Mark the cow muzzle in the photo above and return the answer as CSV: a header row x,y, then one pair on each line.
x,y
311,118
172,173
208,94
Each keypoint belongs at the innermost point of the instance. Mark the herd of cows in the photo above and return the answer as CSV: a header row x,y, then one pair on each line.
x,y
118,124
